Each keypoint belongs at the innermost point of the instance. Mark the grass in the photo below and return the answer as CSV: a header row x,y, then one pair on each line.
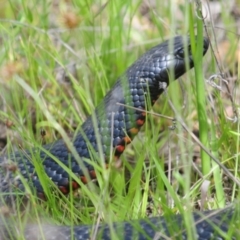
x,y
103,40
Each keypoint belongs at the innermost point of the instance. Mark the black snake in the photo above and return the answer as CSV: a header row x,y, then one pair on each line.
x,y
114,127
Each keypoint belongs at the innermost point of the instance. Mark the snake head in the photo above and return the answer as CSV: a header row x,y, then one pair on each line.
x,y
168,60
174,57
182,52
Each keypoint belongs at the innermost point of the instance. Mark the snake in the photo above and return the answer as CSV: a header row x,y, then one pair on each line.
x,y
104,135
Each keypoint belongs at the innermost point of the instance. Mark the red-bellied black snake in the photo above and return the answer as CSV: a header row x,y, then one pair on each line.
x,y
116,125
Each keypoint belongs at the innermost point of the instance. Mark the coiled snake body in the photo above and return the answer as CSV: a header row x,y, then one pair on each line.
x,y
113,125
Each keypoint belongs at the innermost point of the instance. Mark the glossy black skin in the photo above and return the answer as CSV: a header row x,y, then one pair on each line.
x,y
145,79
142,83
220,224
205,224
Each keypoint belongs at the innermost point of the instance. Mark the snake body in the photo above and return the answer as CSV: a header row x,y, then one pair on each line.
x,y
112,126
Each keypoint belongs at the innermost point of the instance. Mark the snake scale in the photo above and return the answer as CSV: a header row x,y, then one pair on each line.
x,y
113,124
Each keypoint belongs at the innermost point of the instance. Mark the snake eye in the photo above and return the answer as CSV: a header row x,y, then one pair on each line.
x,y
181,53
